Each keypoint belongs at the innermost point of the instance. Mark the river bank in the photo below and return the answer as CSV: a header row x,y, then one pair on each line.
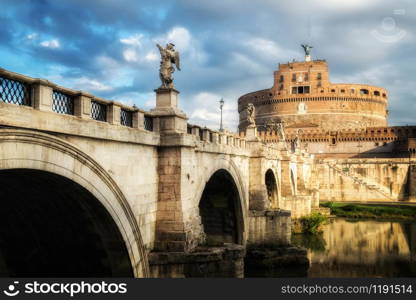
x,y
372,211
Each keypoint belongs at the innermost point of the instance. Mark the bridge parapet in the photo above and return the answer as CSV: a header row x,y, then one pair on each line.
x,y
43,95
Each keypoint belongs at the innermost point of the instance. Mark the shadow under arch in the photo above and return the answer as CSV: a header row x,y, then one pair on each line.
x,y
50,226
272,188
220,209
32,150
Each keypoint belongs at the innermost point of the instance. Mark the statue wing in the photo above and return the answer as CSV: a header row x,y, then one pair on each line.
x,y
177,60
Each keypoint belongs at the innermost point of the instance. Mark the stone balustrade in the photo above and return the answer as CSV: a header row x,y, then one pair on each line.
x,y
209,136
44,95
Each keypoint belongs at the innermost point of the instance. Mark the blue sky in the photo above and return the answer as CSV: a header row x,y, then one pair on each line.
x,y
228,47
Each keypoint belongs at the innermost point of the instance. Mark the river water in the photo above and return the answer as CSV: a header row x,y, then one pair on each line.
x,y
364,248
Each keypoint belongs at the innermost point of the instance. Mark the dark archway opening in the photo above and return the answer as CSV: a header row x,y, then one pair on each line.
x,y
271,185
220,210
50,226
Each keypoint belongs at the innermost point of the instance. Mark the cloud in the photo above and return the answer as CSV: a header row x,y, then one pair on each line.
x,y
181,37
53,44
130,55
32,36
151,56
134,40
91,85
228,48
205,111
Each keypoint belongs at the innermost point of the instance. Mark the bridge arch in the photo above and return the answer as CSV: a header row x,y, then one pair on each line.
x,y
25,152
224,172
272,188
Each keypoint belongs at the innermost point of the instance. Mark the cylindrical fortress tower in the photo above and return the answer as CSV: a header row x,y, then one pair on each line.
x,y
303,97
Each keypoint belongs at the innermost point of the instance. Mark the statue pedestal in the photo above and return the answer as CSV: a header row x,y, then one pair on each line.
x,y
251,133
166,97
170,118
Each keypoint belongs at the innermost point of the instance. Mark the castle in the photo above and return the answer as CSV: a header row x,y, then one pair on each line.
x,y
330,119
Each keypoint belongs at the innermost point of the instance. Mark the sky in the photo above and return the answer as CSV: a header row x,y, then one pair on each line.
x,y
227,47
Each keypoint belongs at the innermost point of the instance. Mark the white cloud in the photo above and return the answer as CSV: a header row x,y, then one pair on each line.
x,y
268,49
346,5
53,44
151,56
88,84
181,37
151,103
134,40
204,110
32,36
130,55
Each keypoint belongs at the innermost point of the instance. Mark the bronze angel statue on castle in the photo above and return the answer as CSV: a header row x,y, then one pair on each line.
x,y
168,57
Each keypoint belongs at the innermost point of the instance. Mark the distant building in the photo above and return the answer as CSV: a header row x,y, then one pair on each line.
x,y
331,119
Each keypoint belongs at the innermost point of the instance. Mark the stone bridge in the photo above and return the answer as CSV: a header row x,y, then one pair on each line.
x,y
92,187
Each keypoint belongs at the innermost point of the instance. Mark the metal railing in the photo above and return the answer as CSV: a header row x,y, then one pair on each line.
x,y
98,111
126,118
62,103
15,92
148,123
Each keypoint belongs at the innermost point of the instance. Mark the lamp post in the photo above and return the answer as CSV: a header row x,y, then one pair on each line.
x,y
221,106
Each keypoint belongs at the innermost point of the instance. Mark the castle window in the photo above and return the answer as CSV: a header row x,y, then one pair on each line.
x,y
332,91
306,76
384,95
282,78
300,90
352,91
342,91
363,91
322,91
319,76
294,77
376,93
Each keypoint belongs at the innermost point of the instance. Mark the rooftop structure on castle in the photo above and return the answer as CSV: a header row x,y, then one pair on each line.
x,y
302,96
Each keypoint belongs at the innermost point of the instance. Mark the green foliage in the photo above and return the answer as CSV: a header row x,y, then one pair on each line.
x,y
396,212
313,223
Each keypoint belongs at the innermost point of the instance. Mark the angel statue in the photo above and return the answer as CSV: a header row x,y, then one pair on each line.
x,y
307,48
250,114
296,142
281,131
169,56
